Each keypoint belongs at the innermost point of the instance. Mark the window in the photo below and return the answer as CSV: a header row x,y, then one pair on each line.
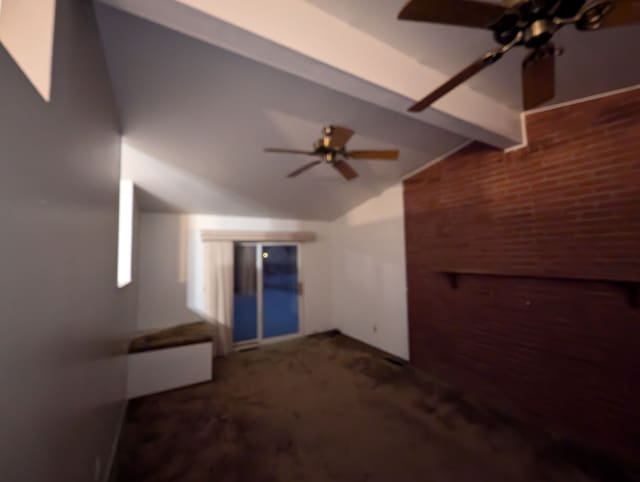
x,y
125,233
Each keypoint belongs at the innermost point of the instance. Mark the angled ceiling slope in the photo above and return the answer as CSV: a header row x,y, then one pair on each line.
x,y
592,63
316,44
196,119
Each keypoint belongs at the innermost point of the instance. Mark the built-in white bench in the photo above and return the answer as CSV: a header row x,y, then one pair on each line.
x,y
170,358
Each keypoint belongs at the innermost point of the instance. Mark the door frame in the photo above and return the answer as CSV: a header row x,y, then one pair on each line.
x,y
260,340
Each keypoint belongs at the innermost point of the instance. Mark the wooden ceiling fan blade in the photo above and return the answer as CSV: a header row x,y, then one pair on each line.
x,y
389,155
304,168
339,137
461,77
288,151
465,13
345,169
623,12
539,77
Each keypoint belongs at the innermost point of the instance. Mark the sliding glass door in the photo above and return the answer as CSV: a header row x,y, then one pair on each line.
x,y
245,293
279,290
266,291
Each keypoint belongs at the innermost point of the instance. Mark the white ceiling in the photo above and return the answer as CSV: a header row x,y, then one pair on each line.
x,y
196,118
299,38
199,106
593,62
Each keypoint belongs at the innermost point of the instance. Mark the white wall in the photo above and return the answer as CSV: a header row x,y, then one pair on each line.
x,y
368,279
62,369
171,267
354,274
163,271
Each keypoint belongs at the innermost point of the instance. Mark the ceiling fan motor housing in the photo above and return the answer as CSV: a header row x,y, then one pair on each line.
x,y
519,23
533,19
539,33
330,156
322,147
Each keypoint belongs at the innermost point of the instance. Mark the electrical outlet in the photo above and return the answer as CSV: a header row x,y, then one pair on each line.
x,y
97,469
375,328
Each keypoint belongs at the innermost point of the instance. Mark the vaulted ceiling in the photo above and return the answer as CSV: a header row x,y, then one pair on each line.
x,y
196,119
204,86
593,62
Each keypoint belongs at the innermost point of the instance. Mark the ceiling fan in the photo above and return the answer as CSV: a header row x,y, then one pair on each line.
x,y
332,149
527,23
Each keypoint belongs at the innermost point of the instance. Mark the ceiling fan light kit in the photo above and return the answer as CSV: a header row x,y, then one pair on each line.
x,y
332,150
520,23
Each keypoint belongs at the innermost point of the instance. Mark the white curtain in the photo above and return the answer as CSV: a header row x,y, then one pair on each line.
x,y
219,291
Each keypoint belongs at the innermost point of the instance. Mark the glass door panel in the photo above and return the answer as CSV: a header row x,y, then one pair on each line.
x,y
279,290
245,293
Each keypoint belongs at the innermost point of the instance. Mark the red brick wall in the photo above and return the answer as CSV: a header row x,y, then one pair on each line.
x,y
567,352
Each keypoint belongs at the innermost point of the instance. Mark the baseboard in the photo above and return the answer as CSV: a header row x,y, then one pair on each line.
x,y
108,472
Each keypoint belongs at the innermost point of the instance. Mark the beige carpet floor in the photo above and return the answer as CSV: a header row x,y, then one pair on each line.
x,y
328,408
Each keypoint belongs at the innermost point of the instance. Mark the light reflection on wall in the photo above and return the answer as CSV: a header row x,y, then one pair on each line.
x,y
27,33
125,233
